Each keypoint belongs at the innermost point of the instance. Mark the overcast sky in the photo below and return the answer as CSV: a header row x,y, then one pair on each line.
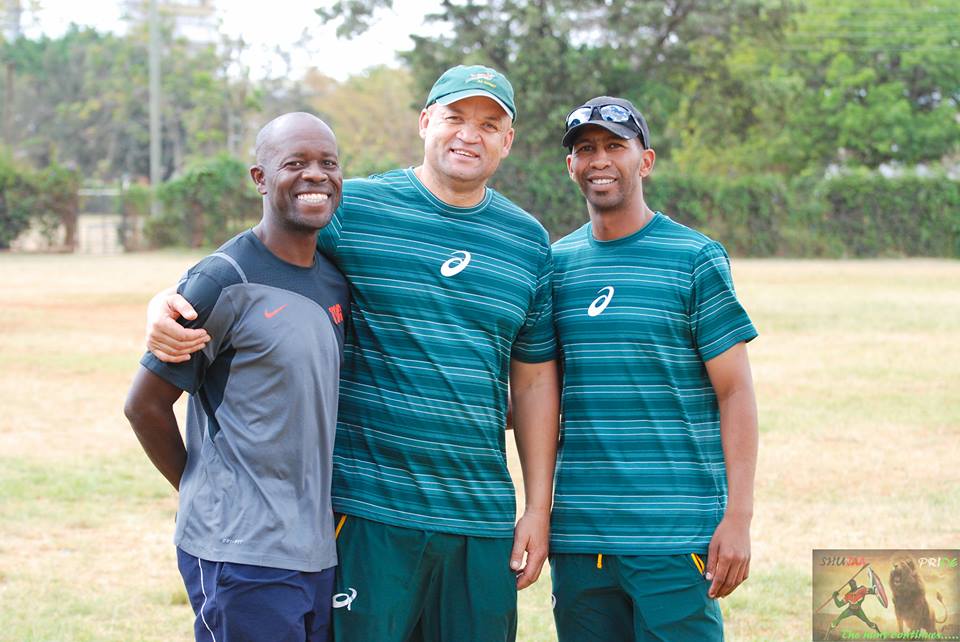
x,y
265,25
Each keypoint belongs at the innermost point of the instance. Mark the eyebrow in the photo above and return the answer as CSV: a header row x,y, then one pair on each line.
x,y
490,118
599,138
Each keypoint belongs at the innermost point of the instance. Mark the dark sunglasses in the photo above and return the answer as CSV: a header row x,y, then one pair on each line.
x,y
609,113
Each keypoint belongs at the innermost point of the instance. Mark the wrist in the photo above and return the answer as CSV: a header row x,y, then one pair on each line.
x,y
739,515
537,510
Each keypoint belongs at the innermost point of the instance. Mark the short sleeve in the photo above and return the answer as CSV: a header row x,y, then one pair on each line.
x,y
537,341
328,238
205,292
717,319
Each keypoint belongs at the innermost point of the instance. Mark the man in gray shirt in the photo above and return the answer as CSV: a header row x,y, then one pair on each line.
x,y
254,534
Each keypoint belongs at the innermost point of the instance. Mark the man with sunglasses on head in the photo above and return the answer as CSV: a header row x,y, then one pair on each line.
x,y
654,485
451,286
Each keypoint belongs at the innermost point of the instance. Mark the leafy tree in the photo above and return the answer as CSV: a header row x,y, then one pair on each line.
x,y
374,116
857,84
82,99
559,53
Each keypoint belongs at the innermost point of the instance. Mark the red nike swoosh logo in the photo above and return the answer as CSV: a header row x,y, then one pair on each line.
x,y
270,315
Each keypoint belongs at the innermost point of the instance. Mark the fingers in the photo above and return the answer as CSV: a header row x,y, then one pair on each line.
x,y
169,358
732,569
733,580
719,576
181,306
172,343
742,577
168,333
166,339
520,540
536,556
711,558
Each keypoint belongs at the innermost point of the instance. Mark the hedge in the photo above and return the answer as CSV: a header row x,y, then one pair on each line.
x,y
205,206
44,198
854,214
860,214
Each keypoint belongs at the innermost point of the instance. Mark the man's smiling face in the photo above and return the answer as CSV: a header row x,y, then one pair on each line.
x,y
608,169
465,141
300,175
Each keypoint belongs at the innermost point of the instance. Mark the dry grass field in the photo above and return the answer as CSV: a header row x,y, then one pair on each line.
x,y
857,370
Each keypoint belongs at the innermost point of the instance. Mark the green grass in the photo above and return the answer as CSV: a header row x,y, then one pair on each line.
x,y
856,369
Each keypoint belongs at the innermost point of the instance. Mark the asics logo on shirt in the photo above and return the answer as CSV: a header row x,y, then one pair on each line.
x,y
341,600
456,265
601,302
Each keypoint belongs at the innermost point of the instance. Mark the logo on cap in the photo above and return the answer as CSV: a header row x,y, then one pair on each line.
x,y
483,79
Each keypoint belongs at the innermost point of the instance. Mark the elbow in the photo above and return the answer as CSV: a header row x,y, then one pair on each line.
x,y
134,410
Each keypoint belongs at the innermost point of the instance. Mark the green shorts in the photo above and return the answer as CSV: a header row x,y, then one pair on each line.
x,y
601,598
396,584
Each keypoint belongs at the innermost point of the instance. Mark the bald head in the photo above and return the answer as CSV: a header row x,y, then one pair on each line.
x,y
298,173
278,129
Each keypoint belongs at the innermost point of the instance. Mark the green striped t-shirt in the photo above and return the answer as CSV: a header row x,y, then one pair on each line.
x,y
641,468
443,297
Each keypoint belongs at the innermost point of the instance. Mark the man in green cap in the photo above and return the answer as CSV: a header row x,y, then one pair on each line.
x,y
451,284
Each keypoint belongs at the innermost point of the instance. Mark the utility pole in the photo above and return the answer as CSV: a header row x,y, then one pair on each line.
x,y
156,171
13,12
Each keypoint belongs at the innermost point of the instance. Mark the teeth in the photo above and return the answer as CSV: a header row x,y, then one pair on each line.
x,y
463,153
312,198
601,181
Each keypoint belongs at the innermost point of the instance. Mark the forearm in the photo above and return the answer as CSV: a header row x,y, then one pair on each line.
x,y
149,408
536,401
739,438
158,434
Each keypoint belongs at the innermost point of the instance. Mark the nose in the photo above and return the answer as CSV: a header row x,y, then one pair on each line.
x,y
600,160
469,133
314,172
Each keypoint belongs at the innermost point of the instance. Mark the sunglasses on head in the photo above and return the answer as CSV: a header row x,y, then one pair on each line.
x,y
609,113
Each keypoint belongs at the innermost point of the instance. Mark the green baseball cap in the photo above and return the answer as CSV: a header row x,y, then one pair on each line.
x,y
464,81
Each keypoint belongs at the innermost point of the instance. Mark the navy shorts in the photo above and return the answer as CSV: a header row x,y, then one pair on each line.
x,y
241,603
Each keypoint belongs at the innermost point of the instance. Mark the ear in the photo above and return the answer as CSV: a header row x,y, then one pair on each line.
x,y
424,121
507,143
570,168
646,162
259,179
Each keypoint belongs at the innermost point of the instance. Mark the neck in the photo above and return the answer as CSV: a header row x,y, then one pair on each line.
x,y
610,225
293,246
458,195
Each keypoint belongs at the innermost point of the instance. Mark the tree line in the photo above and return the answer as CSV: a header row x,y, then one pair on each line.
x,y
798,94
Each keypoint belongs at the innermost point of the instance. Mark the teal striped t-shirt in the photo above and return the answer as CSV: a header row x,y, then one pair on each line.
x,y
641,469
443,297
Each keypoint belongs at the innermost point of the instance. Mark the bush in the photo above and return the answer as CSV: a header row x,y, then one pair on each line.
x,y
46,199
905,216
55,203
858,214
134,215
207,205
15,202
